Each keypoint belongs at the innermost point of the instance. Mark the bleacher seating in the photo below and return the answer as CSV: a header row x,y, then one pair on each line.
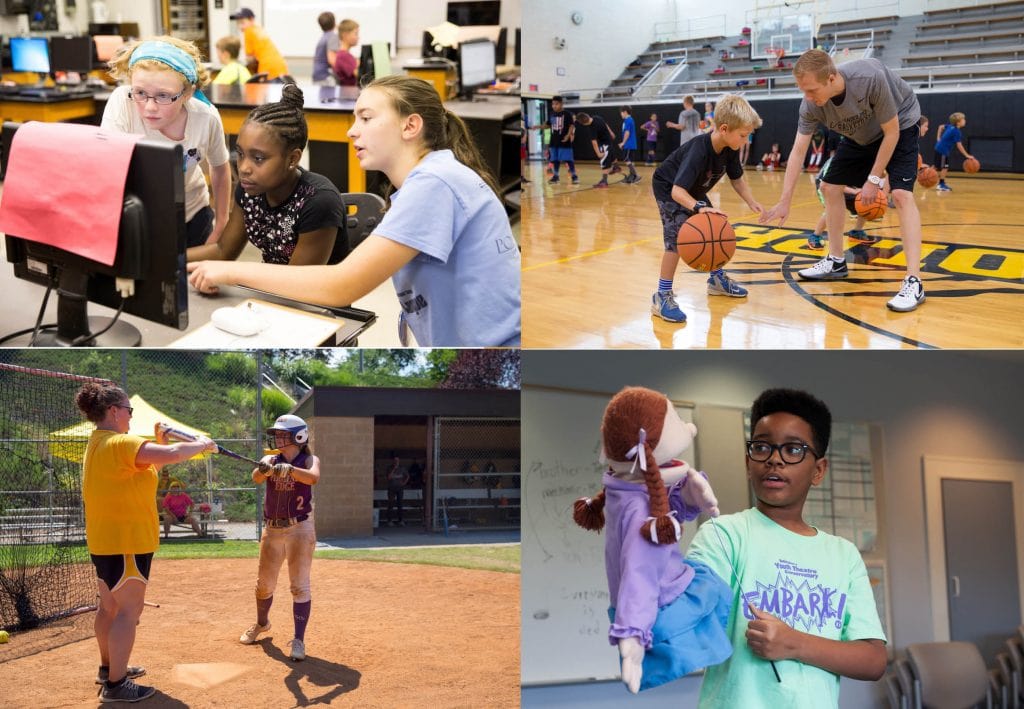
x,y
974,43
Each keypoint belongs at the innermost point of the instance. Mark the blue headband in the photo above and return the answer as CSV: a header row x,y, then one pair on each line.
x,y
177,59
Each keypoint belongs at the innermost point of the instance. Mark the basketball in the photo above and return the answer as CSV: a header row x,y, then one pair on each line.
x,y
706,241
927,177
972,165
873,211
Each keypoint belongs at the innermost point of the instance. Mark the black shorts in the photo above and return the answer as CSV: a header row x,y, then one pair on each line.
x,y
852,162
652,145
115,569
942,162
627,155
609,154
673,216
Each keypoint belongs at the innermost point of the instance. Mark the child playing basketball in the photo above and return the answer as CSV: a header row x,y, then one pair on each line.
x,y
603,139
948,136
628,144
801,598
681,184
816,240
288,531
653,128
563,131
877,112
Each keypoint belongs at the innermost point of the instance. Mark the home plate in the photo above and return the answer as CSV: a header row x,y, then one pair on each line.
x,y
207,674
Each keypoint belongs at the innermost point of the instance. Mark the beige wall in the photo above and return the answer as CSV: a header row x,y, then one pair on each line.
x,y
344,496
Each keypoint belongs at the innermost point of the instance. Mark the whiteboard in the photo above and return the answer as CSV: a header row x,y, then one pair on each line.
x,y
564,611
293,27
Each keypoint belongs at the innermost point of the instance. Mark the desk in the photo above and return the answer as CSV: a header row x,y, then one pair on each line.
x,y
441,74
285,327
21,301
329,115
47,110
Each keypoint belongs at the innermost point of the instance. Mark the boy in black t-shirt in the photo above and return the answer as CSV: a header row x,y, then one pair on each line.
x,y
681,185
603,139
563,131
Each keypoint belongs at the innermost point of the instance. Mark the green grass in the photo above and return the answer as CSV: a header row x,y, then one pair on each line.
x,y
485,557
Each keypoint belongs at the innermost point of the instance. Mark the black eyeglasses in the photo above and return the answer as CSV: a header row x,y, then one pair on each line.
x,y
791,452
123,406
139,96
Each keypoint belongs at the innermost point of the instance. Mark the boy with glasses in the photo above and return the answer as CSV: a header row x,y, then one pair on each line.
x,y
803,613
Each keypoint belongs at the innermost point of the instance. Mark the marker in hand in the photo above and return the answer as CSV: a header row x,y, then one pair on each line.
x,y
775,669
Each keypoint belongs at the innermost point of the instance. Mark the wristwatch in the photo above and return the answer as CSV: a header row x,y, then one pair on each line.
x,y
699,205
875,180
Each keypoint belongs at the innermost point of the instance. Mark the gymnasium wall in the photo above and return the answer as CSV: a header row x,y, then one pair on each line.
x,y
989,134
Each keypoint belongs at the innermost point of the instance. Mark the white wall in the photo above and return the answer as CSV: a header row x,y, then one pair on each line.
x,y
939,403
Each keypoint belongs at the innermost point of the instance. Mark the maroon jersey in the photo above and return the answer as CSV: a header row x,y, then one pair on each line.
x,y
287,497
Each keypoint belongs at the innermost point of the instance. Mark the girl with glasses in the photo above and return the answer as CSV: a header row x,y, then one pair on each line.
x,y
162,99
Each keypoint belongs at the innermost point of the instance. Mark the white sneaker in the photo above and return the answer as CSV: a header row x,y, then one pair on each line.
x,y
298,652
825,269
910,296
250,635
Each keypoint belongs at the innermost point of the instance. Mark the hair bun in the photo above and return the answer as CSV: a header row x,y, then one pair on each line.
x,y
291,95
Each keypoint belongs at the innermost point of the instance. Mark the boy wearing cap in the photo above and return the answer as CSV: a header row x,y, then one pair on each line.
x,y
259,48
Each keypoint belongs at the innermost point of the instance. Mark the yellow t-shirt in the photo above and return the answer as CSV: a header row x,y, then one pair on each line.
x,y
233,73
259,45
120,517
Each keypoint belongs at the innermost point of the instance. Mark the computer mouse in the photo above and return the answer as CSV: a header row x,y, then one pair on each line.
x,y
244,322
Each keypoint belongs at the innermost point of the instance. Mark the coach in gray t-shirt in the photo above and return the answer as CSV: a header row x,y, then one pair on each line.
x,y
689,121
874,94
876,112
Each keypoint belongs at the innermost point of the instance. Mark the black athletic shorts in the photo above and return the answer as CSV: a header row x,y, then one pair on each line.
x,y
609,154
115,569
943,162
852,162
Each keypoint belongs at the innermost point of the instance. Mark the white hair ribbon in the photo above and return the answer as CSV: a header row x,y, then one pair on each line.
x,y
637,452
675,524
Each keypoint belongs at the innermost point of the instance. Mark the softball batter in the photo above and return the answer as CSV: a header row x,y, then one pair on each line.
x,y
288,526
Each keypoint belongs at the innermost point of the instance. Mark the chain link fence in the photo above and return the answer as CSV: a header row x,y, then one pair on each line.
x,y
477,473
230,396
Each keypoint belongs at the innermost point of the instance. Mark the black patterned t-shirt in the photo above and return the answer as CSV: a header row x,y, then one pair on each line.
x,y
314,204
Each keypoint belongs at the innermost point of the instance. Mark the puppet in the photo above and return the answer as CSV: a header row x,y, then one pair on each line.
x,y
668,614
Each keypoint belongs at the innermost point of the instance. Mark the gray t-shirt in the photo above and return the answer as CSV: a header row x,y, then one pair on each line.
x,y
689,119
329,42
874,94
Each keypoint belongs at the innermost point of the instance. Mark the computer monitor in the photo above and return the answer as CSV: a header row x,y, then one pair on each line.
x,y
96,28
107,46
374,61
481,12
476,66
30,54
150,252
71,54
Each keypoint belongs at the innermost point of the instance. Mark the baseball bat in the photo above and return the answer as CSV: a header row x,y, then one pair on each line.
x,y
188,437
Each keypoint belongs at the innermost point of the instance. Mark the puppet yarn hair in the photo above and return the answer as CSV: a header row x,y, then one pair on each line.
x,y
630,431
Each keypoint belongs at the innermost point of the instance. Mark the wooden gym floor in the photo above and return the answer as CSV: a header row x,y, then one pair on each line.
x,y
591,260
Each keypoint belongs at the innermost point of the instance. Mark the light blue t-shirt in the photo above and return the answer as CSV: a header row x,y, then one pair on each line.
x,y
628,124
818,585
462,289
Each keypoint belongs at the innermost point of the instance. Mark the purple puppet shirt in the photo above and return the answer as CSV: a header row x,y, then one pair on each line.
x,y
642,576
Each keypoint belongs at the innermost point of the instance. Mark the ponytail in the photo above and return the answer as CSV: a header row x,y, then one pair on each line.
x,y
588,512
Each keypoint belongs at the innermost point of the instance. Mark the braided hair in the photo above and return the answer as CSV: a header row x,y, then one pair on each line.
x,y
634,418
285,117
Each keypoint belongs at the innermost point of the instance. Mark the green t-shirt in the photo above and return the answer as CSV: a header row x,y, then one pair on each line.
x,y
817,585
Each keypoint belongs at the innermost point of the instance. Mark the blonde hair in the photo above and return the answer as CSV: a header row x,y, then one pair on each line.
x,y
231,45
734,111
347,26
688,100
120,70
817,63
442,129
955,118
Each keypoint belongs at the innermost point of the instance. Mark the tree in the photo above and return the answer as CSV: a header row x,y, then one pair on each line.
x,y
484,369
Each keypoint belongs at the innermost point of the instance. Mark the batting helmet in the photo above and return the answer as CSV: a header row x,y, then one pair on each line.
x,y
293,425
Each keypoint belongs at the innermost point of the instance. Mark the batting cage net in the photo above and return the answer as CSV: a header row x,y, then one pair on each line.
x,y
45,571
478,473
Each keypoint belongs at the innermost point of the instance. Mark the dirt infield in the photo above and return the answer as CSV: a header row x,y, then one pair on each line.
x,y
380,635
